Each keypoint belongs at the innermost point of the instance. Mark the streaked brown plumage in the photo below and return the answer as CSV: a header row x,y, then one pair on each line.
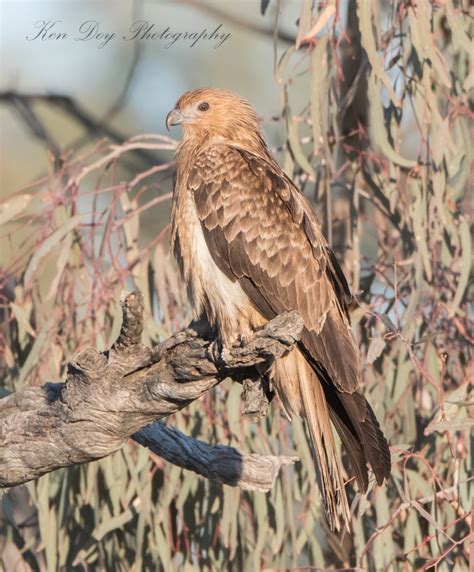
x,y
249,247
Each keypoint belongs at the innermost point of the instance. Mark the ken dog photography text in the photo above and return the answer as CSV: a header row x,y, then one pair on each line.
x,y
94,31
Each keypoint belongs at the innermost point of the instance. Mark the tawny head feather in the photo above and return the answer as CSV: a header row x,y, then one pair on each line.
x,y
212,112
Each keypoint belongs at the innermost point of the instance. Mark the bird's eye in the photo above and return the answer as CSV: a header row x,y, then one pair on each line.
x,y
204,106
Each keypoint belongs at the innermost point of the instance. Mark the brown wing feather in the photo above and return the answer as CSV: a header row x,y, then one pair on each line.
x,y
260,228
261,231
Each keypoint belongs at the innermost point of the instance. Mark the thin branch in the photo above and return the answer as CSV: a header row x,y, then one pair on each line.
x,y
24,104
246,25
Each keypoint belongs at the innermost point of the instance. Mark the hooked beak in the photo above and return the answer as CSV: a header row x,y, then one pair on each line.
x,y
174,117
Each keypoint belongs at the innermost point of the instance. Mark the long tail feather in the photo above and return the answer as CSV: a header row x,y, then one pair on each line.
x,y
302,394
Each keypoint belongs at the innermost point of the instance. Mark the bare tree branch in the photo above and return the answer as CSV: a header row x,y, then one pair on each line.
x,y
220,463
110,396
24,104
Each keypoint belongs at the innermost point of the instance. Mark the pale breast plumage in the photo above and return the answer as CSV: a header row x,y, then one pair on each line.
x,y
210,291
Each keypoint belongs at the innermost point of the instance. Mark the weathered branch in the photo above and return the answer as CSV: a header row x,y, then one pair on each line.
x,y
108,397
217,462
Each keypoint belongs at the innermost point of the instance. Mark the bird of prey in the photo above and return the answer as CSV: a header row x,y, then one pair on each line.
x,y
249,247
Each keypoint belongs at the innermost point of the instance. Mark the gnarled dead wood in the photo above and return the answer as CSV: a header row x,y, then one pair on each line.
x,y
109,397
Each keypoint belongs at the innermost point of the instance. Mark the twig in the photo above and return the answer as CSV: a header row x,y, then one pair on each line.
x,y
24,103
440,495
249,26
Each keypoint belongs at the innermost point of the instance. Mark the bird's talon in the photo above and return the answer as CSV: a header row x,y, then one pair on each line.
x,y
225,354
219,353
214,351
243,341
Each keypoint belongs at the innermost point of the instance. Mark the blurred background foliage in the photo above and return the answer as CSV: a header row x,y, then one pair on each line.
x,y
366,105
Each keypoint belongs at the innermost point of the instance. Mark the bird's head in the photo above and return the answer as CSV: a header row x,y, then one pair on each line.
x,y
212,112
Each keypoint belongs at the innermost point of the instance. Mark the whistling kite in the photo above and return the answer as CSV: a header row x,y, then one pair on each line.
x,y
249,247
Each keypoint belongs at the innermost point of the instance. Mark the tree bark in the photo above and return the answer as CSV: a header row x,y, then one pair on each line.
x,y
111,396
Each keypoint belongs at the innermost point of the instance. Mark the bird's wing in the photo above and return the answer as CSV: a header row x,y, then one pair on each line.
x,y
261,231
